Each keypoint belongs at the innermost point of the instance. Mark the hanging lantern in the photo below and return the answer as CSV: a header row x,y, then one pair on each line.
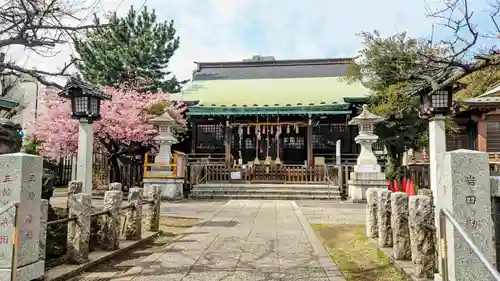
x,y
287,129
296,129
248,130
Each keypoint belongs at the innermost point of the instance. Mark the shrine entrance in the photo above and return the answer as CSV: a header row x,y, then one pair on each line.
x,y
274,140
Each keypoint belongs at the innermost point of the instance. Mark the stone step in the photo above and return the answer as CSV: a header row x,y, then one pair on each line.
x,y
214,185
267,196
267,191
279,188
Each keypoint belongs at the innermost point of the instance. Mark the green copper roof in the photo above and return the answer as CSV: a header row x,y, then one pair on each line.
x,y
312,95
7,103
273,92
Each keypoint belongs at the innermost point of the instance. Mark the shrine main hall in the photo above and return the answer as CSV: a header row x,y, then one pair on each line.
x,y
279,111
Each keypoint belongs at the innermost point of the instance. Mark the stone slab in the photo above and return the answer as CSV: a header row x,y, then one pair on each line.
x,y
20,181
464,189
26,273
243,240
170,189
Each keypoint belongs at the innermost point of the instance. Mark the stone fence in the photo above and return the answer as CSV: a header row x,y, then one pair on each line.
x,y
405,224
111,228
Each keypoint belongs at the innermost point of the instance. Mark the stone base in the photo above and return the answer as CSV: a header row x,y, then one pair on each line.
x,y
361,181
25,273
170,189
357,201
357,191
367,168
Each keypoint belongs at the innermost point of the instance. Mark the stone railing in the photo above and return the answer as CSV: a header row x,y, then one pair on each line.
x,y
405,225
116,220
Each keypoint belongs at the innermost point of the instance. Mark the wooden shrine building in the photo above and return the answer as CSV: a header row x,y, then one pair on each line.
x,y
263,109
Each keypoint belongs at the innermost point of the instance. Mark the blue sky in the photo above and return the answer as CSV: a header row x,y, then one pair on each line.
x,y
221,30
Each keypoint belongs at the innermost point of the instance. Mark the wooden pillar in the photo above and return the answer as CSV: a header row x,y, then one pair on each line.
x,y
227,142
309,143
482,134
194,128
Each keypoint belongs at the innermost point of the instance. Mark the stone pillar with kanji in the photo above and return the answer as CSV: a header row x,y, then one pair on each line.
x,y
464,190
21,181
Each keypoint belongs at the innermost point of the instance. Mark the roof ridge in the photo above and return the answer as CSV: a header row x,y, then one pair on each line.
x,y
286,62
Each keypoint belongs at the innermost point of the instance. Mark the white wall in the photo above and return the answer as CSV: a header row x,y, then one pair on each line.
x,y
26,93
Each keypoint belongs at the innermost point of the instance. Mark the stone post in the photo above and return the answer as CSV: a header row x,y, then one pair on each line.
x,y
44,213
84,155
422,229
74,187
115,186
133,217
153,215
371,214
425,192
21,181
110,231
80,206
399,223
464,190
384,218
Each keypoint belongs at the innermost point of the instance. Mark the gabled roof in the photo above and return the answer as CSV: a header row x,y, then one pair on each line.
x,y
8,103
272,87
87,88
271,69
494,91
272,92
480,102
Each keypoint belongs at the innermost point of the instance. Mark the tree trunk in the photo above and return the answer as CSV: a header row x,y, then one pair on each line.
x,y
115,174
394,165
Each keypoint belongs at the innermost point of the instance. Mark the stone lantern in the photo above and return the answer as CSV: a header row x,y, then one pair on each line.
x,y
164,177
367,171
165,137
366,122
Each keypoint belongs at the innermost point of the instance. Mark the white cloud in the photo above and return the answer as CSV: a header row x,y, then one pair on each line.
x,y
220,30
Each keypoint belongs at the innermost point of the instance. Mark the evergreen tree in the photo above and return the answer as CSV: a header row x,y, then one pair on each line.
x,y
134,50
388,63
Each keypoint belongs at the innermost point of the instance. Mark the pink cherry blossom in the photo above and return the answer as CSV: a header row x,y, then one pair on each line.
x,y
124,119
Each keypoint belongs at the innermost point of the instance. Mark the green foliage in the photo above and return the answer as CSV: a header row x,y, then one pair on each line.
x,y
30,147
479,82
402,127
134,50
388,63
388,60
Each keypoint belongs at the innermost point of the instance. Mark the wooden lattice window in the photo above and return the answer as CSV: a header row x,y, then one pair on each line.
x,y
325,136
294,142
209,136
319,142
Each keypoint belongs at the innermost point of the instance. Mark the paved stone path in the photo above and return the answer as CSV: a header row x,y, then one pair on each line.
x,y
242,240
333,212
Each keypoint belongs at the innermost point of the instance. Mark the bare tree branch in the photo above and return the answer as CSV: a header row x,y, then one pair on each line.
x,y
39,27
459,56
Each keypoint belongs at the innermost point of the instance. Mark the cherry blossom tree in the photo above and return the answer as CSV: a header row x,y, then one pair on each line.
x,y
122,132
